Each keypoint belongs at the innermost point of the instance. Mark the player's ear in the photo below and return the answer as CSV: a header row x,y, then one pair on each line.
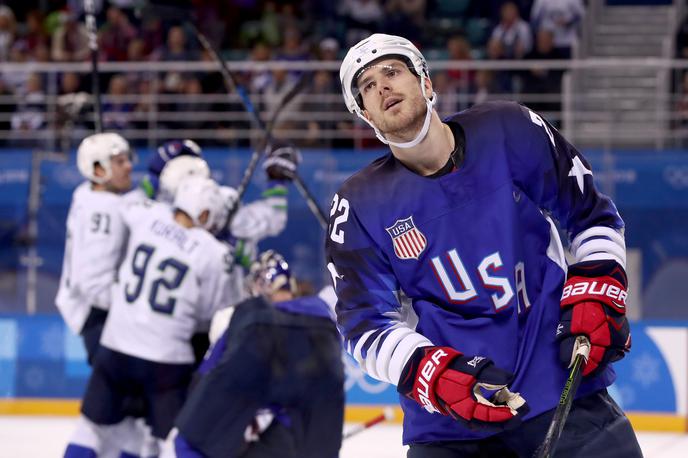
x,y
98,170
428,87
366,114
203,218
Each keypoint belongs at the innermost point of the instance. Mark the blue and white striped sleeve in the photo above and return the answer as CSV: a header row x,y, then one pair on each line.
x,y
370,316
560,180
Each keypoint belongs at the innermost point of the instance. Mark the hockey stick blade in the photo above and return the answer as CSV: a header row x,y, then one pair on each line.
x,y
549,445
387,415
90,18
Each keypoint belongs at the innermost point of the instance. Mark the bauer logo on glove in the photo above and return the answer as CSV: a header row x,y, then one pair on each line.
x,y
593,304
443,380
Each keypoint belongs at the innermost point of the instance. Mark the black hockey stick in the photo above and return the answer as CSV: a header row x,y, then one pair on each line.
x,y
549,445
234,86
388,414
267,140
310,201
90,18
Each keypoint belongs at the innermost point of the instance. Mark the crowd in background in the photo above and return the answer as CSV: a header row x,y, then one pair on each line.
x,y
255,30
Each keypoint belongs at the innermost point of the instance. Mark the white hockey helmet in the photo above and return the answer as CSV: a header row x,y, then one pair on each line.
x,y
229,198
196,194
99,149
359,59
176,170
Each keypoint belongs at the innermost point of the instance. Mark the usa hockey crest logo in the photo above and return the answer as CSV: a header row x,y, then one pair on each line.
x,y
408,241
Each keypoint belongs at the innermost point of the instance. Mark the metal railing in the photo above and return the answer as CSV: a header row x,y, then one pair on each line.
x,y
319,118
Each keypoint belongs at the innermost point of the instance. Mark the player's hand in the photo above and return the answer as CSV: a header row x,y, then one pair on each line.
x,y
230,197
150,185
593,304
282,162
443,380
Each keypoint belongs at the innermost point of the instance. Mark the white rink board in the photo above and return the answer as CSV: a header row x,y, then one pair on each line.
x,y
45,437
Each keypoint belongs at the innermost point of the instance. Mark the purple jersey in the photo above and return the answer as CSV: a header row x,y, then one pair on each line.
x,y
471,259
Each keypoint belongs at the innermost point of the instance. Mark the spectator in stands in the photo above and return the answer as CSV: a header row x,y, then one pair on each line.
x,y
259,79
562,18
280,84
8,25
407,18
459,49
7,107
70,40
115,35
29,118
443,84
176,47
192,102
269,24
485,87
511,39
145,96
289,17
322,103
153,36
210,14
293,49
18,80
361,17
328,49
116,109
34,37
542,86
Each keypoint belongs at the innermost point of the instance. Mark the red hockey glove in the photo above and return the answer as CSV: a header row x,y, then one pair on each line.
x,y
593,304
443,380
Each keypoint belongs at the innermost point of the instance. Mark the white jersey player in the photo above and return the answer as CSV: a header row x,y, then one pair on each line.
x,y
95,236
174,276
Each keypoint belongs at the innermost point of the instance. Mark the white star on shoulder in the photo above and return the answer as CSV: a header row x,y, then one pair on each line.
x,y
579,171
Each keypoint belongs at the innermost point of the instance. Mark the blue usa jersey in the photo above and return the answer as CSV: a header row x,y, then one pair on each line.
x,y
471,259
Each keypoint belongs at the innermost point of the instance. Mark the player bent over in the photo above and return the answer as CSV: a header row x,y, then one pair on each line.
x,y
451,276
174,275
279,353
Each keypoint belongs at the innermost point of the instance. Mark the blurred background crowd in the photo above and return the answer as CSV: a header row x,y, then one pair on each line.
x,y
53,31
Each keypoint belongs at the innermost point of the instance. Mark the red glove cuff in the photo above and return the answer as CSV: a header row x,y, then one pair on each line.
x,y
434,362
605,290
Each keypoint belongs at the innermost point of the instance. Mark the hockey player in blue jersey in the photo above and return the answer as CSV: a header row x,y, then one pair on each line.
x,y
284,357
451,276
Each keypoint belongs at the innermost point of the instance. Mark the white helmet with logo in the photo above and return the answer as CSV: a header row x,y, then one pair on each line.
x,y
370,49
176,170
99,149
196,194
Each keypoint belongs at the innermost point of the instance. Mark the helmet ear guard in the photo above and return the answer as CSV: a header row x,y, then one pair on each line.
x,y
98,149
363,54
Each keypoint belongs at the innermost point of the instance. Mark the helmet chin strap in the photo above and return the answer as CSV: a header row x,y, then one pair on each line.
x,y
429,103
